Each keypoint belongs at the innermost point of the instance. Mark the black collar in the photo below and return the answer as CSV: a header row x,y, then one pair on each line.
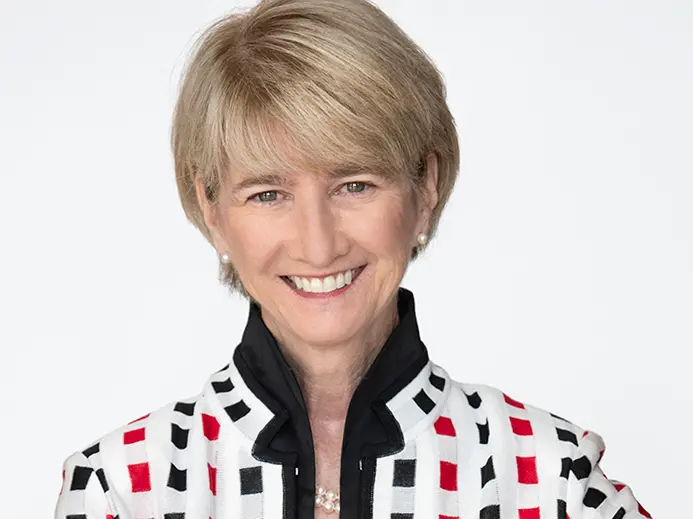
x,y
260,394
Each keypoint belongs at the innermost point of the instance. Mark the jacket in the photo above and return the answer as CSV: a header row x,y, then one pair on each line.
x,y
416,445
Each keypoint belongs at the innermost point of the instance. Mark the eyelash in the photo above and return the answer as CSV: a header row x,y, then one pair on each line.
x,y
366,188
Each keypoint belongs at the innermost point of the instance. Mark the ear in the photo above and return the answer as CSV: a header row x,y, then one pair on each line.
x,y
429,199
211,216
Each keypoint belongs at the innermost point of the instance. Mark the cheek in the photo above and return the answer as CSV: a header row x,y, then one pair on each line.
x,y
252,244
384,228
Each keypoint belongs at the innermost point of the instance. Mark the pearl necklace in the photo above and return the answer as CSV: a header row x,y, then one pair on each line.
x,y
328,500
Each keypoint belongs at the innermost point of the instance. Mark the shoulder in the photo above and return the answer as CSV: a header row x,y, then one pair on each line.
x,y
534,446
125,461
156,429
532,430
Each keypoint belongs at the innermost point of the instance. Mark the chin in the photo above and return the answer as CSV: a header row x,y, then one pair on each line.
x,y
325,332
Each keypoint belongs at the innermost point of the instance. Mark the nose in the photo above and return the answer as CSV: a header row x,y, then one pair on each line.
x,y
318,240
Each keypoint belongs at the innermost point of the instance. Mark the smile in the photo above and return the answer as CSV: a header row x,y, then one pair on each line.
x,y
326,284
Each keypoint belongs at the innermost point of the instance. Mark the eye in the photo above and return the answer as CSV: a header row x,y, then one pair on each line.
x,y
265,197
357,186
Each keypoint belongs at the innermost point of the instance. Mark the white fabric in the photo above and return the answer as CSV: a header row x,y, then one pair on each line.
x,y
474,454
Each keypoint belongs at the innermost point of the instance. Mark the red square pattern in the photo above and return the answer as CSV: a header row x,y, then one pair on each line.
x,y
133,436
527,470
619,486
448,516
521,427
210,427
448,475
212,479
109,516
444,426
139,477
643,511
529,513
512,402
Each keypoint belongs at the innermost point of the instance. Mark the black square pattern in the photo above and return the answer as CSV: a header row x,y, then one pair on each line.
x,y
179,436
237,411
102,479
487,472
185,408
566,463
567,436
490,512
224,386
437,382
404,473
91,450
80,477
177,479
483,432
593,498
582,467
251,480
424,402
474,400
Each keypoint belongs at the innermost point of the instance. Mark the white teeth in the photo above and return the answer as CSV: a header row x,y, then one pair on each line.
x,y
327,284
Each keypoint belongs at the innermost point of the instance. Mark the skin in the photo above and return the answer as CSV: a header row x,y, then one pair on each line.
x,y
313,225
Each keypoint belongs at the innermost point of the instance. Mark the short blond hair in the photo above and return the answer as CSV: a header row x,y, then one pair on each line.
x,y
336,82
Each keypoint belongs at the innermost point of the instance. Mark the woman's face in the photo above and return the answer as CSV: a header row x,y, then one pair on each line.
x,y
311,229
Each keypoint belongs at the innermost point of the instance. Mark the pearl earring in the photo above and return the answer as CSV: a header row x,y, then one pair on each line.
x,y
422,238
224,258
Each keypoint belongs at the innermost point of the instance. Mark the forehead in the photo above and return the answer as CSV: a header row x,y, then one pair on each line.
x,y
269,152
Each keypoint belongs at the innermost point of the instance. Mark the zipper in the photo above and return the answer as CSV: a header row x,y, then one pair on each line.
x,y
367,478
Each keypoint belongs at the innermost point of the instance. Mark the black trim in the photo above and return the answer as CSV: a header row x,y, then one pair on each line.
x,y
290,495
367,481
370,430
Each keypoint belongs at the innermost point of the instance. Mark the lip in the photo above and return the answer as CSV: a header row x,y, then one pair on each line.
x,y
323,295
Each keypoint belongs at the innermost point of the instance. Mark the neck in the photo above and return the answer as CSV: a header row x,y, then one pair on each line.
x,y
329,375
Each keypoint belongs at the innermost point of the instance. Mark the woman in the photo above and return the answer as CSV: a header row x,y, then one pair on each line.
x,y
315,151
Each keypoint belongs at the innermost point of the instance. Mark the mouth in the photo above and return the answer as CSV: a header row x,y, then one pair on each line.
x,y
333,284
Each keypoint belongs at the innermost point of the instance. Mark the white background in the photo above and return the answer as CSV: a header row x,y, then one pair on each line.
x,y
562,273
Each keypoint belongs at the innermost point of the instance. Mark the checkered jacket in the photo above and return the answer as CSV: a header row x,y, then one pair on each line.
x,y
417,445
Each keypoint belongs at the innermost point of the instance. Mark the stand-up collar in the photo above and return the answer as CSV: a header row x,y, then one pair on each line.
x,y
398,396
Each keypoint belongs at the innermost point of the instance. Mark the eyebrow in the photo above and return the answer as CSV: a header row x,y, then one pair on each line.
x,y
261,180
265,179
